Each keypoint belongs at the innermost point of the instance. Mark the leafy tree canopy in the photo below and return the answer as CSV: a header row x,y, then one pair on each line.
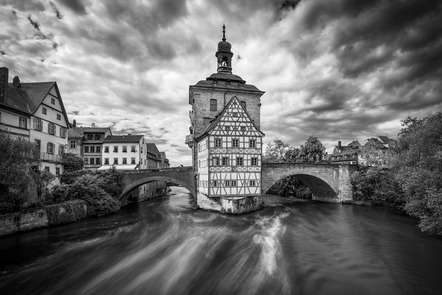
x,y
313,150
72,162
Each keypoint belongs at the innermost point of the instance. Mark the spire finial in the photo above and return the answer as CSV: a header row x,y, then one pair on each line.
x,y
224,32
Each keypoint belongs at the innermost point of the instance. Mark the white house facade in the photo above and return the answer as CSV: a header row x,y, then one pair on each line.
x,y
35,111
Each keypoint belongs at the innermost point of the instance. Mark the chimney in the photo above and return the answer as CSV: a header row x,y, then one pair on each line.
x,y
93,125
4,76
339,144
16,82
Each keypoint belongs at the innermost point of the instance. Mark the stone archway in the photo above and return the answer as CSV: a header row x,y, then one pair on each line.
x,y
147,179
320,189
328,182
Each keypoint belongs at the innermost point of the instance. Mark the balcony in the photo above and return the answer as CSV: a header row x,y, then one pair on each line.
x,y
45,157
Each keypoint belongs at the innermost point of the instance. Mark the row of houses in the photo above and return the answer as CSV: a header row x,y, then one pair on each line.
x,y
35,111
377,151
101,150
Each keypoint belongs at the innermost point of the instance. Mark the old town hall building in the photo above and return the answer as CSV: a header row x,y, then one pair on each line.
x,y
225,138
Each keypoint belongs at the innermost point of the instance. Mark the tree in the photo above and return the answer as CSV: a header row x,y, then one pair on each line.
x,y
17,155
90,189
313,150
418,167
43,180
376,185
275,151
72,162
292,155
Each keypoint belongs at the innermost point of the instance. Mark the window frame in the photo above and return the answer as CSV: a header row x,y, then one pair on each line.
x,y
213,107
218,142
254,159
51,128
22,122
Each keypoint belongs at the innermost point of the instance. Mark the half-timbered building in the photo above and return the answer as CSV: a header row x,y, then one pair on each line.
x,y
225,138
229,154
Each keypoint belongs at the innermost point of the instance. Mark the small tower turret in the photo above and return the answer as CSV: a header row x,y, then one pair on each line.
x,y
224,55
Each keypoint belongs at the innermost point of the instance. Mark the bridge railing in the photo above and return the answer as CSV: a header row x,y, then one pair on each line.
x,y
183,168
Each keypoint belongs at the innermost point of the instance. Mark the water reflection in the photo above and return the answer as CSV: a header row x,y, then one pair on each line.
x,y
166,247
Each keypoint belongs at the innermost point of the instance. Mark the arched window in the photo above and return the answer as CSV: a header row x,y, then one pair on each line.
x,y
213,105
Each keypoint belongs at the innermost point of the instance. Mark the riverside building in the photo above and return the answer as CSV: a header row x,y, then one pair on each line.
x,y
35,111
225,138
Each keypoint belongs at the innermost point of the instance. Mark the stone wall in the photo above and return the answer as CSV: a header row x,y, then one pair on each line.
x,y
201,105
151,190
69,211
15,222
328,182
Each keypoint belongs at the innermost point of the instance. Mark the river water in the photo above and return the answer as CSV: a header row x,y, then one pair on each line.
x,y
165,247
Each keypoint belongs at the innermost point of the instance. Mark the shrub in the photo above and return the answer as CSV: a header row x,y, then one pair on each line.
x,y
60,193
72,162
111,182
376,186
70,177
88,188
69,211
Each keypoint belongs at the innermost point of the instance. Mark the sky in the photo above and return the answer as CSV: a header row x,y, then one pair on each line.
x,y
335,69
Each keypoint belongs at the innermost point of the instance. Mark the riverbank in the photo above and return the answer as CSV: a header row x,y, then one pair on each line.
x,y
49,215
53,215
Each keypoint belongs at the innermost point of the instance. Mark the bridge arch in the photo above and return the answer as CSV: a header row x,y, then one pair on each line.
x,y
147,179
328,182
320,188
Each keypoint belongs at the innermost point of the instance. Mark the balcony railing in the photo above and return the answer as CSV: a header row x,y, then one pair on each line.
x,y
50,158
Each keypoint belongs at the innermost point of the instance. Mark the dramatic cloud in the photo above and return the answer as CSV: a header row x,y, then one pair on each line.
x,y
337,69
76,6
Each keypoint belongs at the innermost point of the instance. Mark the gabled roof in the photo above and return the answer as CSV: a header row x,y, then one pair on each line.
x,y
17,100
123,138
384,139
29,96
152,149
37,92
75,132
94,129
216,121
78,132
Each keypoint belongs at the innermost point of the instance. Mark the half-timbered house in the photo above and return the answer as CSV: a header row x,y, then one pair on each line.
x,y
225,138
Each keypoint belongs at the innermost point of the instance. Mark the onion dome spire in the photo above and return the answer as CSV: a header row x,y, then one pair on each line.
x,y
224,54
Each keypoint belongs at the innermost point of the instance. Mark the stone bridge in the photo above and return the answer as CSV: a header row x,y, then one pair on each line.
x,y
183,176
328,182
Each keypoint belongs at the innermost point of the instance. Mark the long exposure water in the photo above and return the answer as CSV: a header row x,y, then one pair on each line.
x,y
165,247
